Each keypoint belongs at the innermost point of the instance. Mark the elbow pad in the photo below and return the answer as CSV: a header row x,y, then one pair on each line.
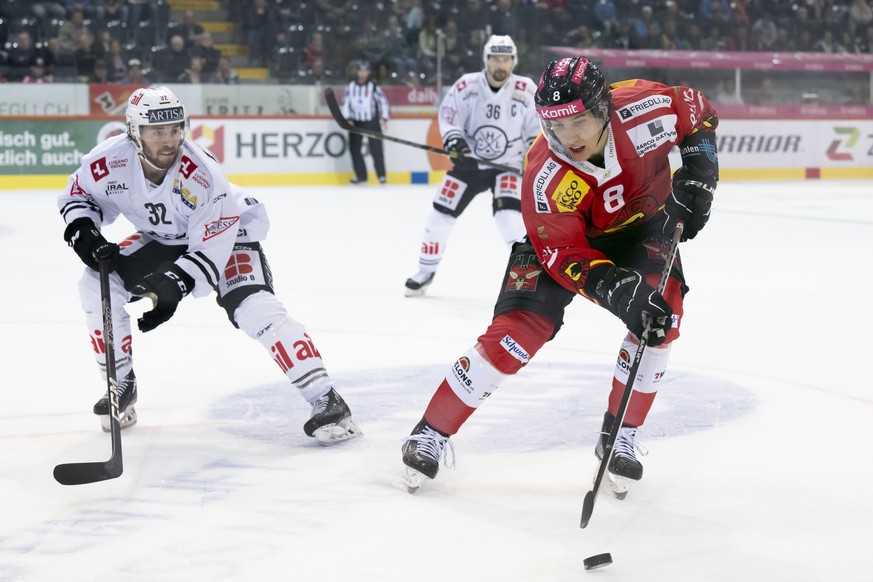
x,y
700,155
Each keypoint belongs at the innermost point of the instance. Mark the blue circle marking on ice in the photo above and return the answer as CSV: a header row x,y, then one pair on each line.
x,y
547,405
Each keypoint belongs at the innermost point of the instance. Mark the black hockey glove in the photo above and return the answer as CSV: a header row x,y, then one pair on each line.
x,y
633,300
166,289
690,201
465,159
85,238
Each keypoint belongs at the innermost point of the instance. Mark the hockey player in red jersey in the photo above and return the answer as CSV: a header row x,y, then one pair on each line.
x,y
600,208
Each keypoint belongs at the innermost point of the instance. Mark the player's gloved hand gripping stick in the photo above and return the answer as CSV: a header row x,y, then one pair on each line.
x,y
335,110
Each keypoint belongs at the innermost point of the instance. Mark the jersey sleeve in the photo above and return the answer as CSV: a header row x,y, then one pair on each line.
x,y
79,199
453,112
697,123
694,112
382,102
212,230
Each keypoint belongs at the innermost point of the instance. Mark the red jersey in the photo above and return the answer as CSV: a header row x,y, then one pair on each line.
x,y
567,204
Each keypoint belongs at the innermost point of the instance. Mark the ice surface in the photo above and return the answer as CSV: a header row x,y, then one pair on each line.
x,y
759,464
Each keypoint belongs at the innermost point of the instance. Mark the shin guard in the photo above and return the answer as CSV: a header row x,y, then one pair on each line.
x,y
647,382
263,317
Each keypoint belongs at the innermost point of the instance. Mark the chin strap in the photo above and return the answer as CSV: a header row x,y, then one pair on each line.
x,y
143,157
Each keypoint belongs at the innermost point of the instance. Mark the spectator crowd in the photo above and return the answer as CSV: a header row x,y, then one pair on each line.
x,y
405,41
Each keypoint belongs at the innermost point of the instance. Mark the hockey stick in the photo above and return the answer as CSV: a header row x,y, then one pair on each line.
x,y
337,114
80,473
588,504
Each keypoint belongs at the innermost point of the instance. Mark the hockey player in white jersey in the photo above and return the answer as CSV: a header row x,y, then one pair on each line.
x,y
489,115
195,233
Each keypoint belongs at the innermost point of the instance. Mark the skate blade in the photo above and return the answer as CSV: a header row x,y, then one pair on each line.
x,y
413,479
415,292
129,419
620,485
331,434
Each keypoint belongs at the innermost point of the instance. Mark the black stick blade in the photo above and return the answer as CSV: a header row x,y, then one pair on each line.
x,y
587,509
82,473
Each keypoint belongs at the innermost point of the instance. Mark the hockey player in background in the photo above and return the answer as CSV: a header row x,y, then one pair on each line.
x,y
488,115
600,208
195,233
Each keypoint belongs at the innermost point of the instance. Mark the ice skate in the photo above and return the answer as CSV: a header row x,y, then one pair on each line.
x,y
422,451
331,420
418,283
126,400
624,468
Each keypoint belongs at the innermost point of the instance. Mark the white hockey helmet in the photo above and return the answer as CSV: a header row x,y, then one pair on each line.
x,y
500,45
154,106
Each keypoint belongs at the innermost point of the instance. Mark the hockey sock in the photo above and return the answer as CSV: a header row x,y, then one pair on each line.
x,y
646,385
437,229
510,342
471,380
510,226
263,317
89,294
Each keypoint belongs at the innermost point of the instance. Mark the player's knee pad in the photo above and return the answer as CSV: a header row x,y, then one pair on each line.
x,y
259,312
473,378
439,225
510,226
652,366
513,339
437,229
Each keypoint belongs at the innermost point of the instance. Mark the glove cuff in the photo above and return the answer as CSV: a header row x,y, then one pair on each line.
x,y
595,284
184,282
76,226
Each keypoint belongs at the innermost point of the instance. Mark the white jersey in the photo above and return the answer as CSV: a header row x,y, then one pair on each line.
x,y
194,206
499,126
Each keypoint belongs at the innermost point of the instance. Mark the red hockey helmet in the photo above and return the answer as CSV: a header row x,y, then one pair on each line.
x,y
571,86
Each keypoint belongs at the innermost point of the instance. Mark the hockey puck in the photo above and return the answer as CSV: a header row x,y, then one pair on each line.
x,y
598,561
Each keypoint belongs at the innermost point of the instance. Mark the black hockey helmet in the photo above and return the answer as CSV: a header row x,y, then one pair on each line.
x,y
571,86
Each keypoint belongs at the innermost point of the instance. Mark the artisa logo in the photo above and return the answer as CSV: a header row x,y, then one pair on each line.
x,y
166,114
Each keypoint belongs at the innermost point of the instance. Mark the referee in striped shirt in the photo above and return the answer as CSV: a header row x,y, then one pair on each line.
x,y
365,106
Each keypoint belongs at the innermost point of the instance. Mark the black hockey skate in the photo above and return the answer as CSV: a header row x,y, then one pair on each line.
x,y
418,283
331,420
624,468
422,451
126,400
